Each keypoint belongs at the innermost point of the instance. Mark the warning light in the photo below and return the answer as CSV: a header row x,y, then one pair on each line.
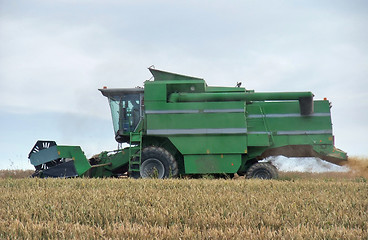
x,y
104,87
325,99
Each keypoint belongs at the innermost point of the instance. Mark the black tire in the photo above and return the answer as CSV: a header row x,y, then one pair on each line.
x,y
262,170
158,163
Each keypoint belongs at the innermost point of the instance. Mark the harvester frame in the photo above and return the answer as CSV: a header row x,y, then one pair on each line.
x,y
178,125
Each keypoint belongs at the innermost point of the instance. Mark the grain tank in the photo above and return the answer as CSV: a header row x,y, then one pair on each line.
x,y
178,125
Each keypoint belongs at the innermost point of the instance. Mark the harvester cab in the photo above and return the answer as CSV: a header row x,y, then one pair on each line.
x,y
126,110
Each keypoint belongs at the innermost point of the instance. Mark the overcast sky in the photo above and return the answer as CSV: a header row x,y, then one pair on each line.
x,y
54,55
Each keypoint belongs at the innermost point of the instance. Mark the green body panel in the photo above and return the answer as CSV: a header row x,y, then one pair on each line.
x,y
330,152
220,163
256,140
286,115
210,144
81,163
99,172
155,92
115,160
165,106
284,125
207,134
195,121
158,90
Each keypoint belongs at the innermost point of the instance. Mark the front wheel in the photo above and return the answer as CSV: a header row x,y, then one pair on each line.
x,y
262,170
158,163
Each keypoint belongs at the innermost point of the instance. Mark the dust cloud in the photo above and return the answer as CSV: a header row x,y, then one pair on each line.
x,y
307,164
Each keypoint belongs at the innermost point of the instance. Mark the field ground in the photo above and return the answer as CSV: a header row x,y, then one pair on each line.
x,y
296,206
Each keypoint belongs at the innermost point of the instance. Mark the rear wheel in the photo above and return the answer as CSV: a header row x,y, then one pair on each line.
x,y
158,163
262,170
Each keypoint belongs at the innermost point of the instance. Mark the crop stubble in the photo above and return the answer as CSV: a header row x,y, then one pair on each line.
x,y
298,206
184,208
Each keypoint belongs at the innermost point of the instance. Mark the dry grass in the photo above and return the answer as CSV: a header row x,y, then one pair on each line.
x,y
297,206
359,165
16,174
183,208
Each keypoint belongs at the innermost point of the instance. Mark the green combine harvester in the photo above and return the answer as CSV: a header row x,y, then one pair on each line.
x,y
178,125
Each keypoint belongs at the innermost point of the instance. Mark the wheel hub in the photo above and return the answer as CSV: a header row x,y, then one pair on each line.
x,y
262,174
152,168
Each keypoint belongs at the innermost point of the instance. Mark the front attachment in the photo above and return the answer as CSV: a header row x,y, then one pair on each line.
x,y
51,160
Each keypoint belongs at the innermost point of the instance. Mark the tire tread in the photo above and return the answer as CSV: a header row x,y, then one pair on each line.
x,y
266,166
161,153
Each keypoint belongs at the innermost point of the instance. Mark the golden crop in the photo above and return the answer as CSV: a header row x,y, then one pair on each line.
x,y
322,208
297,206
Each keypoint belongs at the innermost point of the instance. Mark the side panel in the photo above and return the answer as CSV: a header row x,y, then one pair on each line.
x,y
258,139
225,122
211,136
284,119
75,152
200,128
220,163
210,144
282,124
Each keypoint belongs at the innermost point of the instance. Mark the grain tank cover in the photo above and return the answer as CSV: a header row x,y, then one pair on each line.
x,y
160,75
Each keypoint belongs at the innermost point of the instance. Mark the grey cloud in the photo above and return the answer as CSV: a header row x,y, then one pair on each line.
x,y
55,54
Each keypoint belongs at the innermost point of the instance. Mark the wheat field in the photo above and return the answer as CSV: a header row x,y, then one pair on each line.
x,y
296,206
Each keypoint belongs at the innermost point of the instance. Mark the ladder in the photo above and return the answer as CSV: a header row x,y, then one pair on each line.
x,y
135,153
